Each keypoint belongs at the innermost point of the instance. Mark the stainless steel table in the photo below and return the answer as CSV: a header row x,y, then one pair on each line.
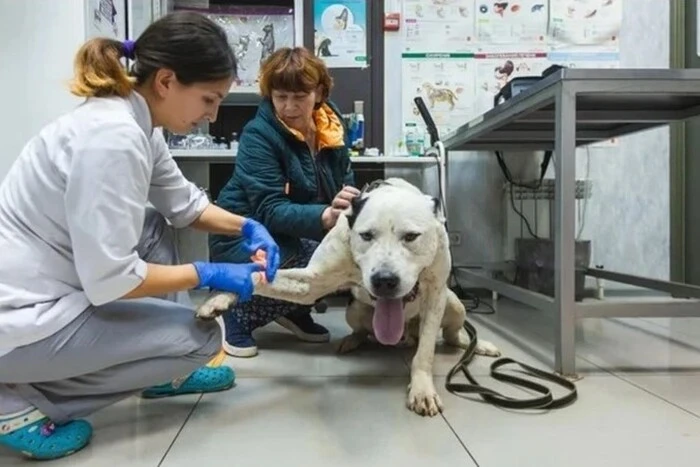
x,y
571,108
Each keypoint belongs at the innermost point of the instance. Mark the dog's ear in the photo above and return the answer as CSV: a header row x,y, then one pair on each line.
x,y
437,208
356,206
373,185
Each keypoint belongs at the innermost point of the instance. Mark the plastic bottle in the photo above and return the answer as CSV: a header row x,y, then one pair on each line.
x,y
409,137
234,143
359,134
420,142
413,140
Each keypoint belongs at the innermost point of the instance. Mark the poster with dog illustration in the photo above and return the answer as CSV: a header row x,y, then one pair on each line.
x,y
340,32
446,84
438,25
513,22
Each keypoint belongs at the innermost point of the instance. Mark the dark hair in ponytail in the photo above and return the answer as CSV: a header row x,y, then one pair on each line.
x,y
195,48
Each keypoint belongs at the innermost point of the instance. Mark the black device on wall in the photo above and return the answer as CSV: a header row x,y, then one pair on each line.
x,y
428,119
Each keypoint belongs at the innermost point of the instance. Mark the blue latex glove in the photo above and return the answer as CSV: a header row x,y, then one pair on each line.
x,y
228,277
257,238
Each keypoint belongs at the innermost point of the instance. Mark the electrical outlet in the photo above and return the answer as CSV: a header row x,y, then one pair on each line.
x,y
455,238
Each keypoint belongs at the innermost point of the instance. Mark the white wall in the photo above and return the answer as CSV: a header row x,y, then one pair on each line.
x,y
628,217
38,39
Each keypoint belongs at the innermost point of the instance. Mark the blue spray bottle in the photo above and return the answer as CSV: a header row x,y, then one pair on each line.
x,y
358,133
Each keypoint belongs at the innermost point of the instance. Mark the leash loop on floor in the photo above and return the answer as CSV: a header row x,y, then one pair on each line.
x,y
545,401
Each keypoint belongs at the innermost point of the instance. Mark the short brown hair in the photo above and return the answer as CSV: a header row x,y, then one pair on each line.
x,y
294,70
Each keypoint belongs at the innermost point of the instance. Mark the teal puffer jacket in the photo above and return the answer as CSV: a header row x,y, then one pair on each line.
x,y
277,181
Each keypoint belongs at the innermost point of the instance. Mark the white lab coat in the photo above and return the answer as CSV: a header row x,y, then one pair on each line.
x,y
72,211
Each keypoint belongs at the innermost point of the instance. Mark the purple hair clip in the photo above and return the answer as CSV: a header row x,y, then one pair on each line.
x,y
128,48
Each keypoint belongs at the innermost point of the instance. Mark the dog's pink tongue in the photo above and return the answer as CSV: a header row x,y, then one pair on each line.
x,y
388,320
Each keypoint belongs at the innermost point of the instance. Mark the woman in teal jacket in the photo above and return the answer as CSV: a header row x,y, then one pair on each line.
x,y
292,175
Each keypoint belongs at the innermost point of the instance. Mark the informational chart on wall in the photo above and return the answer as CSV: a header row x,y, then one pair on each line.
x,y
445,81
495,69
458,54
439,25
512,22
586,22
340,32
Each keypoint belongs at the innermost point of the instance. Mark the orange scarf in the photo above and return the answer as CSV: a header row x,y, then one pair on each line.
x,y
329,129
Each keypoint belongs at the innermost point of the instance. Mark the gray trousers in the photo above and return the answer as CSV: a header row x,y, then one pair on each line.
x,y
113,351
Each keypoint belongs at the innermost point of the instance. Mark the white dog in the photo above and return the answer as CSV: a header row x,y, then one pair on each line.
x,y
392,250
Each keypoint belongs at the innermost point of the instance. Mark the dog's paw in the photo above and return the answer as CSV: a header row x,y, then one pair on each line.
x,y
486,348
423,399
215,306
349,343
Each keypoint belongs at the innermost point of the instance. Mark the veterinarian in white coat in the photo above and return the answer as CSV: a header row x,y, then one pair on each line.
x,y
82,255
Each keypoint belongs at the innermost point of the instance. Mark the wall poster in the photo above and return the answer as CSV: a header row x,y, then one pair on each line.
x,y
340,32
105,18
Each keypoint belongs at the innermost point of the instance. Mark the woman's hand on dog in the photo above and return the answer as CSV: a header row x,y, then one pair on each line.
x,y
340,203
330,217
343,199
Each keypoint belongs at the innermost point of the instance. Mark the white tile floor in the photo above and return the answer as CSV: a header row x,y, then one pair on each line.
x,y
302,405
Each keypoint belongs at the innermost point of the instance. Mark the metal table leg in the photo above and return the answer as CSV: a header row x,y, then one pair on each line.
x,y
564,240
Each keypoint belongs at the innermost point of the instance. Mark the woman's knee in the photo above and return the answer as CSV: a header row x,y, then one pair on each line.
x,y
173,330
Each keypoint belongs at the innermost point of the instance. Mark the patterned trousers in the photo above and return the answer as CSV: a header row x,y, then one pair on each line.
x,y
259,311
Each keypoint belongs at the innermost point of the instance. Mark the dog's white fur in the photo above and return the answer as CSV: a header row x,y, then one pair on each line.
x,y
379,234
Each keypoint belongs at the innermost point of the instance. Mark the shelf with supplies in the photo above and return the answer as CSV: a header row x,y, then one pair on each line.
x,y
227,156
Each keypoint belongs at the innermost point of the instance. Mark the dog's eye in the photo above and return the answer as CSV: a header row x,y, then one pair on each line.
x,y
409,237
367,236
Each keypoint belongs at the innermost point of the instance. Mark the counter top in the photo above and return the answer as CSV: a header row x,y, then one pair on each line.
x,y
225,156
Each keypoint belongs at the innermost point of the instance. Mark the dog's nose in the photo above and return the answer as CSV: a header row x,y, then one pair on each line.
x,y
384,283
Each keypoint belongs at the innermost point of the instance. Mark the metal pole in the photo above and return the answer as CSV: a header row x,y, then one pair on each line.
x,y
564,239
552,219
